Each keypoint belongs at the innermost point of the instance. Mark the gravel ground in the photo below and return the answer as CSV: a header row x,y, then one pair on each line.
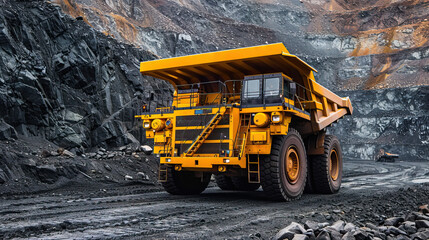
x,y
371,193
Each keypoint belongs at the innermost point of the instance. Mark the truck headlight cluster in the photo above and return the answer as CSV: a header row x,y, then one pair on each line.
x,y
276,117
146,124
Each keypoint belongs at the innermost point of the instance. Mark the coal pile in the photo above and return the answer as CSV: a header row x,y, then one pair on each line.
x,y
414,225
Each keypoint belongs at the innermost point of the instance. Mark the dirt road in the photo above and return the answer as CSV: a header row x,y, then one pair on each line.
x,y
370,193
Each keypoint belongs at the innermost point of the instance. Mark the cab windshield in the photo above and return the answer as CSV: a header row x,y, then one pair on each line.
x,y
252,88
272,87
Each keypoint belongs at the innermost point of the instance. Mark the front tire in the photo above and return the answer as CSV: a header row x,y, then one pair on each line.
x,y
185,183
284,172
241,183
327,169
224,182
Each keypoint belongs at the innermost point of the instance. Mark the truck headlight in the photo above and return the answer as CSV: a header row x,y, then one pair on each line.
x,y
276,118
168,160
146,124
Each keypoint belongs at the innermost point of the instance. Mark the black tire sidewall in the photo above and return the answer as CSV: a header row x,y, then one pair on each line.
x,y
335,185
293,190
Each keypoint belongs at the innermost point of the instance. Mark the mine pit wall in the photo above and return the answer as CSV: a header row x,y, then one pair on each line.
x,y
63,81
395,119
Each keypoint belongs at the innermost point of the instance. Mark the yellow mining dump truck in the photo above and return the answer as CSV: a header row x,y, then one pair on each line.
x,y
251,116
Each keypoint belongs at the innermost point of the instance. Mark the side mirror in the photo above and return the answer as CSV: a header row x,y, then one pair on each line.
x,y
292,89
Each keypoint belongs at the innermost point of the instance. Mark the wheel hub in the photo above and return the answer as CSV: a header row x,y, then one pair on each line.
x,y
334,168
292,164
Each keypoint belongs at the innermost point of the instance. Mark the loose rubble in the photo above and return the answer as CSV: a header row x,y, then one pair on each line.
x,y
414,225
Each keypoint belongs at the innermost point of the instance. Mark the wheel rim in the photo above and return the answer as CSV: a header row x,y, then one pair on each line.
x,y
292,165
334,165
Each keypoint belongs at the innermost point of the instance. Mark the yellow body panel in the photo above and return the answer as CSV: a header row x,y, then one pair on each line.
x,y
222,65
258,136
203,162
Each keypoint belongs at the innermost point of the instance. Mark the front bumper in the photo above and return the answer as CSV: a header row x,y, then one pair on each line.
x,y
204,162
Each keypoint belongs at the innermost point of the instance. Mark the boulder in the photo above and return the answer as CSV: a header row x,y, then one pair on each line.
x,y
360,235
349,227
300,237
422,235
348,236
47,174
393,221
424,209
311,225
289,231
7,132
409,227
146,149
395,231
338,226
422,224
323,235
3,176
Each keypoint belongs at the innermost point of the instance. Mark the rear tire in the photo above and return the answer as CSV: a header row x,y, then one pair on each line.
x,y
224,182
327,169
185,183
241,183
284,172
309,189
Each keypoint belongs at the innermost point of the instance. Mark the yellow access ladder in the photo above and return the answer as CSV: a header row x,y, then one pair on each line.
x,y
241,137
205,133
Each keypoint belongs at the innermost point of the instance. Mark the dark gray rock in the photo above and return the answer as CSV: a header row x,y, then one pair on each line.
x,y
300,237
291,230
311,225
395,231
335,235
349,227
422,224
338,226
393,221
47,174
423,235
409,227
323,235
348,236
7,132
3,176
360,235
65,82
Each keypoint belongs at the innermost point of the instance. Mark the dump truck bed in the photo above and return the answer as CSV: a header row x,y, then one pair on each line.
x,y
324,106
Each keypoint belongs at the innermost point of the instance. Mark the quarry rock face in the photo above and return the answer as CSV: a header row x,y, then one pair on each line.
x,y
64,81
395,120
71,81
354,45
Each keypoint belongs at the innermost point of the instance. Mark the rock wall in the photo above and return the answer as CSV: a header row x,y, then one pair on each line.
x,y
396,120
366,44
62,80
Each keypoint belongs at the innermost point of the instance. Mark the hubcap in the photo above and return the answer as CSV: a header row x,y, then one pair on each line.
x,y
292,164
334,168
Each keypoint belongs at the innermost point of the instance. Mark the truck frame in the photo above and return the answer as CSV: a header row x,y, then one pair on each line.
x,y
251,116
